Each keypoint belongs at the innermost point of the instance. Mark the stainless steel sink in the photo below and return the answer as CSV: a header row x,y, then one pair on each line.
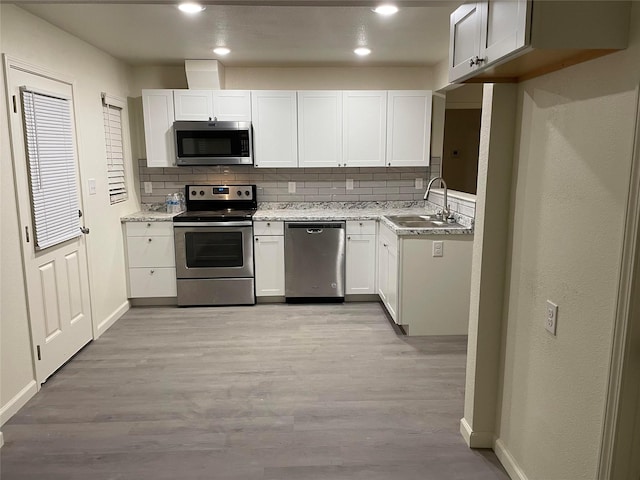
x,y
420,221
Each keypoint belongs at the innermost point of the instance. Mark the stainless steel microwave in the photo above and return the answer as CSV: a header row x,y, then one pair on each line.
x,y
213,143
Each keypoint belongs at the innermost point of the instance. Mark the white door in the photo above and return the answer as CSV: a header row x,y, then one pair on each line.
x,y
409,128
464,40
232,105
193,105
320,129
504,28
57,277
275,128
365,128
269,257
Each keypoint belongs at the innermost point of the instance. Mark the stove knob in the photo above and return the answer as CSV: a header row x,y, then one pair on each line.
x,y
247,193
201,192
193,193
239,193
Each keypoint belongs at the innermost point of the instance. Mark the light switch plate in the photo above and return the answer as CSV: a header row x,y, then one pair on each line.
x,y
551,319
292,187
349,183
148,187
92,186
438,248
419,184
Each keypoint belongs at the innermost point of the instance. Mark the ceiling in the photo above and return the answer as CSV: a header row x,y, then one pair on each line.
x,y
259,35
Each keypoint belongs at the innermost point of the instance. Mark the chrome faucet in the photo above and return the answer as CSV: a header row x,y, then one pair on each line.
x,y
446,213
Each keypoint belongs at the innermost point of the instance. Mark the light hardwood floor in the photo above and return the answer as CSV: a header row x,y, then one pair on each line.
x,y
305,392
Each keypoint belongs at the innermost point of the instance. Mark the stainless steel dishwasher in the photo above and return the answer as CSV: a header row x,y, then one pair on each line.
x,y
314,261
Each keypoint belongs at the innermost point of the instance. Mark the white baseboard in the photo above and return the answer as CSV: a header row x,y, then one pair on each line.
x,y
16,403
475,439
508,462
113,318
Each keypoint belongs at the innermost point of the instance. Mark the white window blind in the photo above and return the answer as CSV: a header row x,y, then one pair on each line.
x,y
112,112
52,169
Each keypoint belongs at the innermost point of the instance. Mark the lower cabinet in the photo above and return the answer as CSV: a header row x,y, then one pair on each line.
x,y
388,270
151,259
361,258
268,251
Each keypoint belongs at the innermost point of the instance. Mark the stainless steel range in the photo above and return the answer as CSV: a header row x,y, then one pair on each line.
x,y
214,246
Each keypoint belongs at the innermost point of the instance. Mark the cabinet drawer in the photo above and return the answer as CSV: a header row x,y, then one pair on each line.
x,y
142,229
152,282
268,228
361,227
150,252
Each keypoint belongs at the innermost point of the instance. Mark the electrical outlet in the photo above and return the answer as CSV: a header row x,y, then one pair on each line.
x,y
551,320
292,187
438,248
349,183
148,187
419,184
92,186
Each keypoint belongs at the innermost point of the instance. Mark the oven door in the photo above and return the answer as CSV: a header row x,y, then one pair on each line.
x,y
221,251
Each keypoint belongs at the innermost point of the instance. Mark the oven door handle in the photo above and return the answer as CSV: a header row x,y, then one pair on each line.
x,y
212,224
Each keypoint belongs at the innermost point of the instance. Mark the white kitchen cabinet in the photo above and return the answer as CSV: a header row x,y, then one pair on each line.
x,y
193,105
364,128
158,115
222,105
275,128
268,251
388,270
151,259
409,128
360,270
320,129
544,36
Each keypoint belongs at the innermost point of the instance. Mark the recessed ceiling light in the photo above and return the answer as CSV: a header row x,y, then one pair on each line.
x,y
190,7
221,51
362,51
386,9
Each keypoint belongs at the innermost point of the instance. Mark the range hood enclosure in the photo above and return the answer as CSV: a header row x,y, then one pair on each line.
x,y
204,74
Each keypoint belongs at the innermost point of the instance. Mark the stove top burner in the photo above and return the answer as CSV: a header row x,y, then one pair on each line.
x,y
218,203
214,215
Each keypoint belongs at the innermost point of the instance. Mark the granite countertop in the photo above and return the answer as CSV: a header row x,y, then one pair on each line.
x,y
325,211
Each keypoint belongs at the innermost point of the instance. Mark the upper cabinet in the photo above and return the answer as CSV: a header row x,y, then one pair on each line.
x,y
513,40
364,128
157,108
320,128
409,128
222,105
275,128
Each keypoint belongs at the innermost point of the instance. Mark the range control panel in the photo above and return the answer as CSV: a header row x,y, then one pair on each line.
x,y
220,192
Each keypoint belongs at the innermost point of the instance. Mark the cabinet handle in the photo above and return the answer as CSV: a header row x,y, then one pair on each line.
x,y
389,164
385,245
152,272
149,240
257,239
348,238
268,224
476,61
148,225
360,223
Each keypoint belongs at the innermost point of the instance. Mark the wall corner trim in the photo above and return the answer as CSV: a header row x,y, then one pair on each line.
x,y
508,462
113,318
16,403
475,439
1,440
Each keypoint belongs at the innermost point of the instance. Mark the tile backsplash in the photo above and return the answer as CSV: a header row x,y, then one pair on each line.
x,y
312,184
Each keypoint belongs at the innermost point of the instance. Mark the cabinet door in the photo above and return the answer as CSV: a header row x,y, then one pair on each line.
x,y
152,282
320,129
365,128
409,128
361,264
269,265
232,105
157,107
275,128
464,40
504,28
193,104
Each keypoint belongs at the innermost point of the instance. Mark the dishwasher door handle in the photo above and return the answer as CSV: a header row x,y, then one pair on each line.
x,y
314,230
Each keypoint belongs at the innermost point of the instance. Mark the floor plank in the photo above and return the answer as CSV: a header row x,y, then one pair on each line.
x,y
305,392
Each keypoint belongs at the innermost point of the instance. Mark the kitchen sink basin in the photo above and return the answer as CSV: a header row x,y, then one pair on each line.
x,y
420,221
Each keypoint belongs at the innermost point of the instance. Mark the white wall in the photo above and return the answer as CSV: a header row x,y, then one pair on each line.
x,y
30,39
570,187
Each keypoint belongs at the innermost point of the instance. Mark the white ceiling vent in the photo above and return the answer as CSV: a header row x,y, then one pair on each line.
x,y
204,74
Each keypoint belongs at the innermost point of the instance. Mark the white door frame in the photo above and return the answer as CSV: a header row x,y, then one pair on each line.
x,y
17,64
623,399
